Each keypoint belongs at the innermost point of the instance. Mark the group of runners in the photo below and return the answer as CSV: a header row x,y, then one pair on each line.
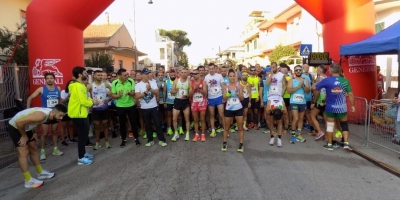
x,y
143,103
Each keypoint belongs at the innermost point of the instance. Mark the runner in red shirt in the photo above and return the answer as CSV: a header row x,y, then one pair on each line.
x,y
198,94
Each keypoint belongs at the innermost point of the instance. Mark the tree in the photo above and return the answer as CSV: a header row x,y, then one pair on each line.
x,y
9,40
178,36
205,62
281,51
183,60
101,60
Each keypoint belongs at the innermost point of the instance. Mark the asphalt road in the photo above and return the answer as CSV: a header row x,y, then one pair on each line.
x,y
188,170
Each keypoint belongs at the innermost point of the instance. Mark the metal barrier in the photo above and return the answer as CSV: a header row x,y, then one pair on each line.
x,y
358,119
382,127
8,153
14,84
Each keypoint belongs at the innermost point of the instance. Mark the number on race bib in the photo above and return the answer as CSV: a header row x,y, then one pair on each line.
x,y
170,96
274,89
298,98
253,90
233,101
52,102
198,97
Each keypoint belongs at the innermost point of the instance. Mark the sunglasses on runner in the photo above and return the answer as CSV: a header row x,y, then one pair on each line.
x,y
298,70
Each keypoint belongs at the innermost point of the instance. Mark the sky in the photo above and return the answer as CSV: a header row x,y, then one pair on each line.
x,y
210,24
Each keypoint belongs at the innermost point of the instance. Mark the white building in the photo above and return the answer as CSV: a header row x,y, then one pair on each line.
x,y
235,53
387,13
162,53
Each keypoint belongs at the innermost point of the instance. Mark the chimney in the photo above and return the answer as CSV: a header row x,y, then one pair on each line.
x,y
107,18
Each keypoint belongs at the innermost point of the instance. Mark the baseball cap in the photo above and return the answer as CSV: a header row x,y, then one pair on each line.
x,y
267,69
145,71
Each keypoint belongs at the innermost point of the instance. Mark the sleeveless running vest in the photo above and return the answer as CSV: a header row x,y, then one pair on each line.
x,y
198,98
50,98
233,102
183,88
27,112
170,97
297,97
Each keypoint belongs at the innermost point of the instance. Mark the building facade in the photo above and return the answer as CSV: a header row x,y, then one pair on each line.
x,y
113,39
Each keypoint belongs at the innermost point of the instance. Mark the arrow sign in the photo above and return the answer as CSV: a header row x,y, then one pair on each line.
x,y
305,49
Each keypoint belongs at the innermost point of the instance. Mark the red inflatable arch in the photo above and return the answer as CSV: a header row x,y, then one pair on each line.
x,y
348,21
55,31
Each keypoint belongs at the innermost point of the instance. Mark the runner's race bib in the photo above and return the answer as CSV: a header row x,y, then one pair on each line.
x,y
52,102
274,90
253,90
170,96
198,97
233,101
215,90
299,98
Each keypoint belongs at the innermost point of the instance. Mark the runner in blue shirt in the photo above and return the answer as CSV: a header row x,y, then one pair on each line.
x,y
336,88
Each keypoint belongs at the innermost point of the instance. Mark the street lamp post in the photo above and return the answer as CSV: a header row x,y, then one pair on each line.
x,y
134,32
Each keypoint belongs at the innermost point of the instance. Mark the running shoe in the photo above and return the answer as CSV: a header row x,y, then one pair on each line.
x,y
89,145
187,137
123,144
196,138
64,143
181,131
33,183
335,145
203,137
328,147
279,142
266,131
213,134
42,155
57,152
145,136
170,132
137,142
232,130
219,130
224,147
293,139
130,135
154,135
162,143
108,145
96,146
272,141
88,156
245,128
71,141
319,135
300,138
256,127
149,144
84,161
176,137
45,175
346,146
192,125
241,148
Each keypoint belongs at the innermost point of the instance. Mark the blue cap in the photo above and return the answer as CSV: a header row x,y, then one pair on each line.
x,y
267,69
145,71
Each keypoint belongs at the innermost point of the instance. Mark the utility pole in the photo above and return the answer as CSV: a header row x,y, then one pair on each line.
x,y
134,32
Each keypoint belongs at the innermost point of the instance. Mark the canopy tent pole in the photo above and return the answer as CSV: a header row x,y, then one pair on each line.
x,y
398,71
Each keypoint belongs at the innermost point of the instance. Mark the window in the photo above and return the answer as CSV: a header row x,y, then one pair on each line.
x,y
233,55
255,43
247,47
379,27
121,64
162,53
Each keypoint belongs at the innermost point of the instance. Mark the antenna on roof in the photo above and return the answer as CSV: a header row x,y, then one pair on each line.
x,y
107,18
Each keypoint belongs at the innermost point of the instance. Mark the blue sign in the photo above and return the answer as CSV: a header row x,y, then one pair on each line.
x,y
305,49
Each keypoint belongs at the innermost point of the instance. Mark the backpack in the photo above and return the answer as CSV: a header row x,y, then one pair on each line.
x,y
11,112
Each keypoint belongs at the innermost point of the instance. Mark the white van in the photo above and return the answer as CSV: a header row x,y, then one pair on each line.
x,y
292,61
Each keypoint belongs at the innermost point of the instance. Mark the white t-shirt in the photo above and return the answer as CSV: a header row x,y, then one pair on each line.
x,y
63,95
150,100
214,85
276,86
